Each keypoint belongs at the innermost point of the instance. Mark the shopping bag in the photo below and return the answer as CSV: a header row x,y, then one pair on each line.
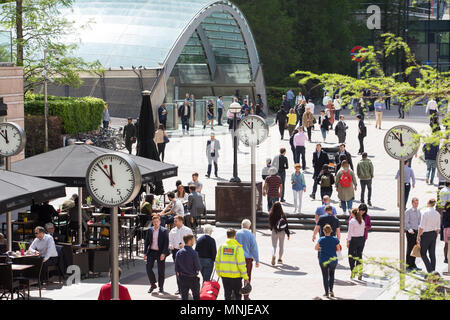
x,y
416,251
339,254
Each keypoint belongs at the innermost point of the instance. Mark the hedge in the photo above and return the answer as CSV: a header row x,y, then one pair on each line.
x,y
34,129
77,114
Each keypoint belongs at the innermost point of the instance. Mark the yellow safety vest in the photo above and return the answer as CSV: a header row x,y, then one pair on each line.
x,y
230,261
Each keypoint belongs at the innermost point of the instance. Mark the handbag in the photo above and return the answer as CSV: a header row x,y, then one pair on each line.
x,y
416,251
166,139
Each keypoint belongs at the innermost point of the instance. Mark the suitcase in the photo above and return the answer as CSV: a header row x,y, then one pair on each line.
x,y
210,289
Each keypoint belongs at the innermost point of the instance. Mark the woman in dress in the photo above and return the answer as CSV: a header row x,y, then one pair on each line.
x,y
330,112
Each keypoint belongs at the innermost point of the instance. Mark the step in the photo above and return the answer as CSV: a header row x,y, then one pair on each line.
x,y
300,226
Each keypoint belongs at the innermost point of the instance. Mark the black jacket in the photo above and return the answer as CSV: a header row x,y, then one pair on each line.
x,y
181,111
163,241
129,131
349,159
318,162
281,117
206,247
362,129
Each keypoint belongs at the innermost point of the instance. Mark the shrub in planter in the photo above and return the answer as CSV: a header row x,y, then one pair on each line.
x,y
34,130
77,114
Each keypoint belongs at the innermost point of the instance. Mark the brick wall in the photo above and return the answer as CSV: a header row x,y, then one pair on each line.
x,y
11,89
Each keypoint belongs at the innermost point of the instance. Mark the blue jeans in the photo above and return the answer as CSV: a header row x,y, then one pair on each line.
x,y
336,114
324,133
346,205
219,116
185,123
431,168
270,202
207,268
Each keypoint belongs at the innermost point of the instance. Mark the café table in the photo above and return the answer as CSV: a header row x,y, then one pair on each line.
x,y
95,226
21,267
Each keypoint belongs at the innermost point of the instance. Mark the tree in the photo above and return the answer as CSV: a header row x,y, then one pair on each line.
x,y
39,26
426,83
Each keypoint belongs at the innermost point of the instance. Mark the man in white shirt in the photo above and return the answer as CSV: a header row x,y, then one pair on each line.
x,y
175,207
299,98
176,241
326,99
431,106
412,221
196,183
44,245
429,228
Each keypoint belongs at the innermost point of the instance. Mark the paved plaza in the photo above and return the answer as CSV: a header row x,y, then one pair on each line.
x,y
299,276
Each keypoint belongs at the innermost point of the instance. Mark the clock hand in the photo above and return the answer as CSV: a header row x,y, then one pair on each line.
x,y
104,172
111,173
399,139
4,137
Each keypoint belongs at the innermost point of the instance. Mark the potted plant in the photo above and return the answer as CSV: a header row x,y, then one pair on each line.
x,y
22,247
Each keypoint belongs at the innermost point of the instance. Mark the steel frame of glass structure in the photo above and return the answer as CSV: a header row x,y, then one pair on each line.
x,y
152,44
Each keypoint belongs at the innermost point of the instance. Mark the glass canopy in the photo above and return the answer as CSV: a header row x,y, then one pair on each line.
x,y
142,32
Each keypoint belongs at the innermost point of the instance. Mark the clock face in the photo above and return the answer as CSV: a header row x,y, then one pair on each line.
x,y
12,139
113,179
399,142
443,161
253,130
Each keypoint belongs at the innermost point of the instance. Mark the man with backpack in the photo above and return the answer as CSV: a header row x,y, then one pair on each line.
x,y
326,181
346,186
231,267
364,170
320,158
280,162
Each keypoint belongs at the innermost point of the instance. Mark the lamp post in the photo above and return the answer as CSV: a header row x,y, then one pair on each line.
x,y
235,108
45,101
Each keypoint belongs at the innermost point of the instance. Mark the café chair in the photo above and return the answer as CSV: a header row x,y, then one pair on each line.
x,y
8,284
31,277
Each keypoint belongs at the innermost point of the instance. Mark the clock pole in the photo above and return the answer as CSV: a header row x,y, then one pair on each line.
x,y
402,222
253,176
8,214
114,234
80,215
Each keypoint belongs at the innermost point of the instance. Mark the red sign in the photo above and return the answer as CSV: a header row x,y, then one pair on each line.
x,y
355,51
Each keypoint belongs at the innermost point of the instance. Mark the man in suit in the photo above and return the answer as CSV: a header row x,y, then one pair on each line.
x,y
362,132
340,129
184,112
280,162
195,206
320,158
344,152
212,152
156,248
129,134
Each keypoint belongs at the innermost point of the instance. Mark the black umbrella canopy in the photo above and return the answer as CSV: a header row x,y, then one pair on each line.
x,y
146,133
69,165
147,147
20,190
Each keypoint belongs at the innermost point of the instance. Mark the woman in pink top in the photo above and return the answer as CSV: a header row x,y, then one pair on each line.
x,y
355,241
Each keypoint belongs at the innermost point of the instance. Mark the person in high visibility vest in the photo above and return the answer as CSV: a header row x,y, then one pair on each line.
x,y
230,266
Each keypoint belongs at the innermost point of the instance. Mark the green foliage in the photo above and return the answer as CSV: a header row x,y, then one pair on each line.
x,y
292,33
34,129
43,27
427,83
77,114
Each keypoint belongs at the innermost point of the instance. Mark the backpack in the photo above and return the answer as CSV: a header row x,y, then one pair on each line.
x,y
325,181
281,225
346,180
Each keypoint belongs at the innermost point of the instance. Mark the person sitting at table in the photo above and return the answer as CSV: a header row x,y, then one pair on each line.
x,y
57,237
46,213
105,290
147,206
177,184
173,208
73,213
181,194
2,243
70,203
195,207
44,245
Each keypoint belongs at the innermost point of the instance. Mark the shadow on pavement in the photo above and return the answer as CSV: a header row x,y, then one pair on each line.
x,y
377,209
344,283
165,296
